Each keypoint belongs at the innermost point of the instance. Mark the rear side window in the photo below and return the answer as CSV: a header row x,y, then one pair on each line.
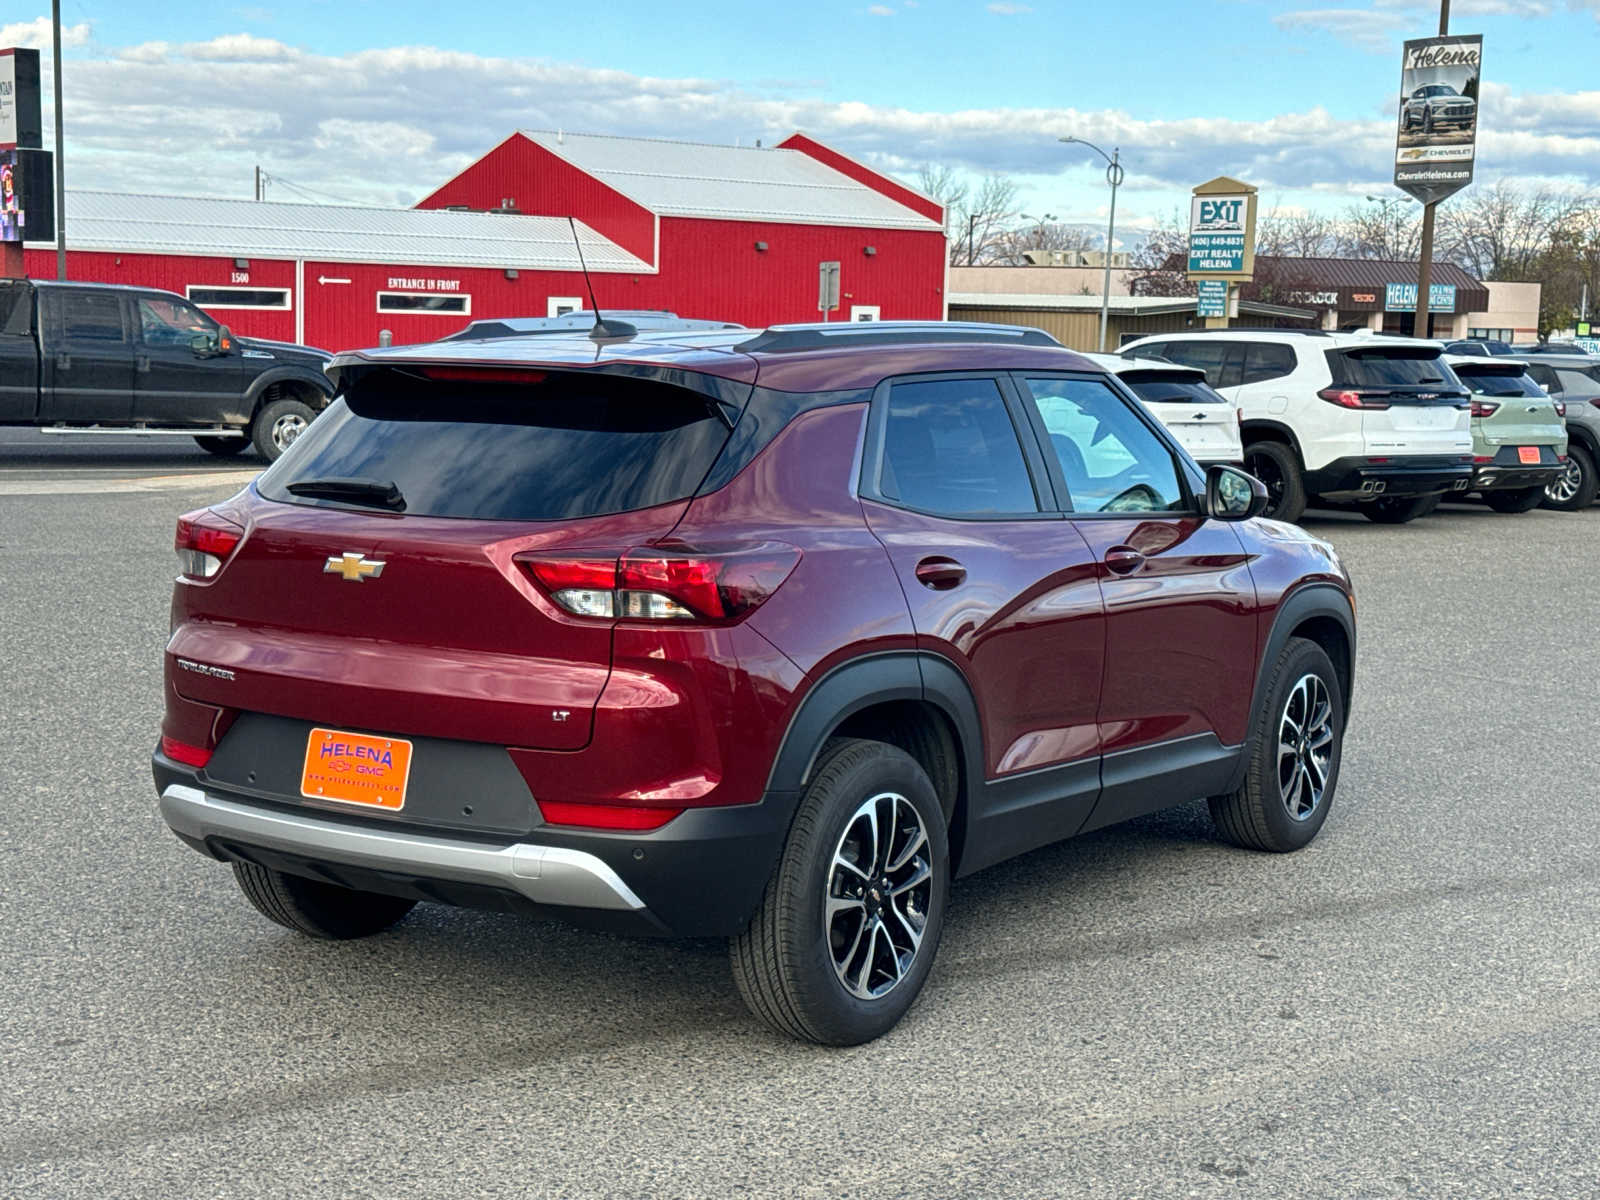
x,y
91,316
1267,360
1385,368
566,447
1583,381
1173,391
1544,377
949,447
16,310
1223,362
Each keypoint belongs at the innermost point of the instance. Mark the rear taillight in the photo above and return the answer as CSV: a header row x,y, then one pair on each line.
x,y
631,817
1595,402
203,542
661,583
192,756
1479,459
1484,408
1345,398
1561,409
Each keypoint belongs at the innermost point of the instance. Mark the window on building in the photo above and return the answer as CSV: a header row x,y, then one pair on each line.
x,y
949,447
424,302
865,312
238,297
560,306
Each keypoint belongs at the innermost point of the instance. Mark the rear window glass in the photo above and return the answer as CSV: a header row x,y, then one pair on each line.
x,y
1498,383
1386,368
569,446
1173,391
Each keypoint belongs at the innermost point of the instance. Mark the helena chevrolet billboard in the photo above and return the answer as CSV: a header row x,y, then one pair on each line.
x,y
1438,130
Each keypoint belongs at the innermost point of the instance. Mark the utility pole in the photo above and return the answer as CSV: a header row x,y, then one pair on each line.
x,y
1422,326
972,249
61,158
258,181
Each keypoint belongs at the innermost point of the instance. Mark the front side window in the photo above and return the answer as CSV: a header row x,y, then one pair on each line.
x,y
171,323
949,447
1221,361
1111,460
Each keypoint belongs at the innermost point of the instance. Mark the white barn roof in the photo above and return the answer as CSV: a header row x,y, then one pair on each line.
x,y
734,183
141,224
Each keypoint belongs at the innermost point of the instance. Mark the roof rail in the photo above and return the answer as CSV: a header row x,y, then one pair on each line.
x,y
1259,329
893,333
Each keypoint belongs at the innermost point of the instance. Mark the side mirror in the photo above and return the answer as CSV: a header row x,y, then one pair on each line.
x,y
204,345
1232,495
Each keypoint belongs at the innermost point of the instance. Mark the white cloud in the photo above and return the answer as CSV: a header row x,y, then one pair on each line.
x,y
1007,9
880,10
36,34
389,125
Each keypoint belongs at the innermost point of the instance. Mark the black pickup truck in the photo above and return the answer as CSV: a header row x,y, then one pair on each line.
x,y
92,357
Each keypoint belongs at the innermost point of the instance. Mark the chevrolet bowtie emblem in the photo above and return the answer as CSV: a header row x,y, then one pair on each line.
x,y
352,568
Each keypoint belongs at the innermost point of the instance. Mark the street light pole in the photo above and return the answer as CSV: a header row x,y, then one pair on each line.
x,y
1114,176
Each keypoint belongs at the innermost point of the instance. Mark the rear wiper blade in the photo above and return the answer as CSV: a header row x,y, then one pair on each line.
x,y
371,493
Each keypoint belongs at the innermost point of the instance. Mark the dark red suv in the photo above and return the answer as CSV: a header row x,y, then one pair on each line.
x,y
764,634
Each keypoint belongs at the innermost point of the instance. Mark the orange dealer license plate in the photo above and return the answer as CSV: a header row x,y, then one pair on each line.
x,y
1528,454
356,768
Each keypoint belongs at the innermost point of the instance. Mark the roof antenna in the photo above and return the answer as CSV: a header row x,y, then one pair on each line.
x,y
603,330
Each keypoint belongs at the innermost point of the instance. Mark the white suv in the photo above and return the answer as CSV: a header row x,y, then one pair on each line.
x,y
1205,424
1343,417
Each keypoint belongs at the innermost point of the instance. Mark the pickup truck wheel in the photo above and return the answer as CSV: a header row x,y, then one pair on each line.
x,y
1295,745
1398,510
222,447
317,909
1277,466
846,933
1575,488
1515,500
278,424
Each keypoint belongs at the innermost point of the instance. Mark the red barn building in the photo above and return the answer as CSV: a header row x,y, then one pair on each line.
x,y
726,232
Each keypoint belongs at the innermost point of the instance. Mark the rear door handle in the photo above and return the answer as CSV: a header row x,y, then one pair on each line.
x,y
142,362
1124,560
64,362
940,573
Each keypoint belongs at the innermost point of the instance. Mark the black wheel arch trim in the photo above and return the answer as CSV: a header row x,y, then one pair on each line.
x,y
878,678
288,374
1250,425
1586,438
1304,603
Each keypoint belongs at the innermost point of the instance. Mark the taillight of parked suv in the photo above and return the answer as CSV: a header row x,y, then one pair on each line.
x,y
659,583
204,540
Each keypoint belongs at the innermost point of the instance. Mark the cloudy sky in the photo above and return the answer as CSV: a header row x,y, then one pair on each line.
x,y
378,101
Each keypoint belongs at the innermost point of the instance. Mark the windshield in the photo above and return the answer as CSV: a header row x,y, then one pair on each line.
x,y
563,447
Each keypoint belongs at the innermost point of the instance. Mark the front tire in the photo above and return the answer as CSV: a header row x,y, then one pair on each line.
x,y
277,426
1398,510
848,927
1296,744
1277,466
1514,500
317,909
222,447
1575,489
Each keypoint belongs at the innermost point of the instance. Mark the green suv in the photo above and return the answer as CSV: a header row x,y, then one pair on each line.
x,y
1519,434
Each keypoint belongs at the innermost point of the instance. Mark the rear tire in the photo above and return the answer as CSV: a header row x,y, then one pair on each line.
x,y
836,954
1398,510
1278,466
1517,500
222,447
278,424
1296,737
317,909
1576,488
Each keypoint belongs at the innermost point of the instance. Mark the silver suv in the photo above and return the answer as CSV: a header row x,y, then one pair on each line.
x,y
1574,380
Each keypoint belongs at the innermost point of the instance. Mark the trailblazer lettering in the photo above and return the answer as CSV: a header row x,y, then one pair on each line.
x,y
345,750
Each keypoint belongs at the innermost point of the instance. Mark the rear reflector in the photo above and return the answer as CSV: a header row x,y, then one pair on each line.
x,y
665,583
632,817
1483,458
204,539
192,756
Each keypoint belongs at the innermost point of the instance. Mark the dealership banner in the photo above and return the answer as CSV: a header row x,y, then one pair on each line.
x,y
1438,132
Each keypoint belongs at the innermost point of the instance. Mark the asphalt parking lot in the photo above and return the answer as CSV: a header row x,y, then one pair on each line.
x,y
1410,1007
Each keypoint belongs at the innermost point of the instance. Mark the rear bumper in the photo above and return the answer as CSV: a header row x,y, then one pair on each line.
x,y
1367,479
1507,473
701,875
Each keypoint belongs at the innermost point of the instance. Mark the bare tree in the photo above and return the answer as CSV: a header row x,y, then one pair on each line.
x,y
945,186
1391,232
1502,232
1041,233
1160,266
1296,235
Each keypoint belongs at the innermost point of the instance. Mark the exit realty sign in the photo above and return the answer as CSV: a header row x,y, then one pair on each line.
x,y
1217,234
